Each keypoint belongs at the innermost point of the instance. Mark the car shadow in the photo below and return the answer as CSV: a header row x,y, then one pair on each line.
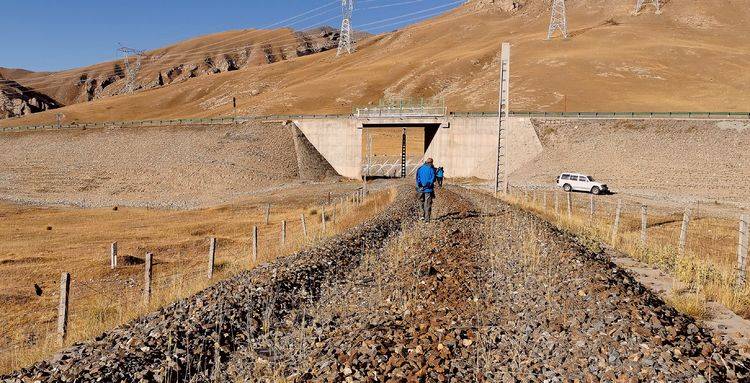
x,y
588,192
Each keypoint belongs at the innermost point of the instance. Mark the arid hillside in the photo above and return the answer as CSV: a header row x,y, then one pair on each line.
x,y
206,55
687,58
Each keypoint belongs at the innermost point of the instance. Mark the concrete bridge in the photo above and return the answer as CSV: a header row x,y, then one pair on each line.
x,y
465,145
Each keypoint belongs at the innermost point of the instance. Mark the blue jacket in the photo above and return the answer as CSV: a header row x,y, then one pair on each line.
x,y
426,178
439,172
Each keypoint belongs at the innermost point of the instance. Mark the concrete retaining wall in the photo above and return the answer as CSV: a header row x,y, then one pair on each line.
x,y
338,140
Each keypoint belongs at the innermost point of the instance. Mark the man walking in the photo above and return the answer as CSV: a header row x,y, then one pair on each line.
x,y
425,187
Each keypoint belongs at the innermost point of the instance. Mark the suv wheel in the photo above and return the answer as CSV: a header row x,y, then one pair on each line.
x,y
595,190
567,187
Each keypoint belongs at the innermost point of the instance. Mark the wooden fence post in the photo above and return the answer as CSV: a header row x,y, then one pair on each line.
x,y
211,257
557,203
113,255
254,258
544,199
323,219
644,225
570,205
268,213
147,279
684,231
616,225
283,232
329,198
592,207
742,247
304,225
62,309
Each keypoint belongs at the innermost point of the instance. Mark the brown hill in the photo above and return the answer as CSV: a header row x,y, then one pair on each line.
x,y
688,58
206,55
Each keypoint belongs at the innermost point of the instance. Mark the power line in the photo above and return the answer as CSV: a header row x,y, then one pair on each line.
x,y
413,13
265,31
346,45
558,20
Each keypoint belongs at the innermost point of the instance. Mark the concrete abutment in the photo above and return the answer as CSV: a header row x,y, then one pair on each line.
x,y
465,146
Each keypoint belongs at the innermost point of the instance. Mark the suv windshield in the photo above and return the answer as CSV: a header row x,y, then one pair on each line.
x,y
591,179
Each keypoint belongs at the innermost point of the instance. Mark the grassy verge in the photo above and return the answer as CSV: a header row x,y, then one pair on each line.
x,y
707,267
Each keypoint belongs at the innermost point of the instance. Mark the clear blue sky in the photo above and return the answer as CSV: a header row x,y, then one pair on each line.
x,y
60,34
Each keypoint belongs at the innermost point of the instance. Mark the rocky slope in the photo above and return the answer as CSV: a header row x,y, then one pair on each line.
x,y
160,167
647,158
16,100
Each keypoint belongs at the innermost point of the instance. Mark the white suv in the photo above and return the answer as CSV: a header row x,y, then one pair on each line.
x,y
580,182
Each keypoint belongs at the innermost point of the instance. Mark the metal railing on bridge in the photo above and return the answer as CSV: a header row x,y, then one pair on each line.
x,y
404,108
618,115
433,111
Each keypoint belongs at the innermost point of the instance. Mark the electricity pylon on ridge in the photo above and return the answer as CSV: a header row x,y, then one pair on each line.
x,y
131,69
642,3
558,20
346,43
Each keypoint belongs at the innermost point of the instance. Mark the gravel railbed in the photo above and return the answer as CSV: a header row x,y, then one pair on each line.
x,y
186,340
485,293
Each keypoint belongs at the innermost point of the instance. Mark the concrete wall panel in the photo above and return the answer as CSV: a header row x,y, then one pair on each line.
x,y
338,140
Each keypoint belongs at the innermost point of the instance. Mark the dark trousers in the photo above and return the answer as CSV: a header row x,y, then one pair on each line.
x,y
425,200
439,181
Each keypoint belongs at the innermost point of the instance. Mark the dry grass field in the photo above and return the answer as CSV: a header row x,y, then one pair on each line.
x,y
42,242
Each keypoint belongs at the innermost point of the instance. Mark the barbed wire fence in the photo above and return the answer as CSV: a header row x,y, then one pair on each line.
x,y
95,305
696,246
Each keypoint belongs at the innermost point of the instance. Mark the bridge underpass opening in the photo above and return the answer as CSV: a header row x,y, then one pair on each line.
x,y
394,150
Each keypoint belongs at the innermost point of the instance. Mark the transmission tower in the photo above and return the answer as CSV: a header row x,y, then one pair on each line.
x,y
131,69
642,3
558,20
346,45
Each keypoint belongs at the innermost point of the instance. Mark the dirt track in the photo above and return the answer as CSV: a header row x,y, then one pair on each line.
x,y
484,293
